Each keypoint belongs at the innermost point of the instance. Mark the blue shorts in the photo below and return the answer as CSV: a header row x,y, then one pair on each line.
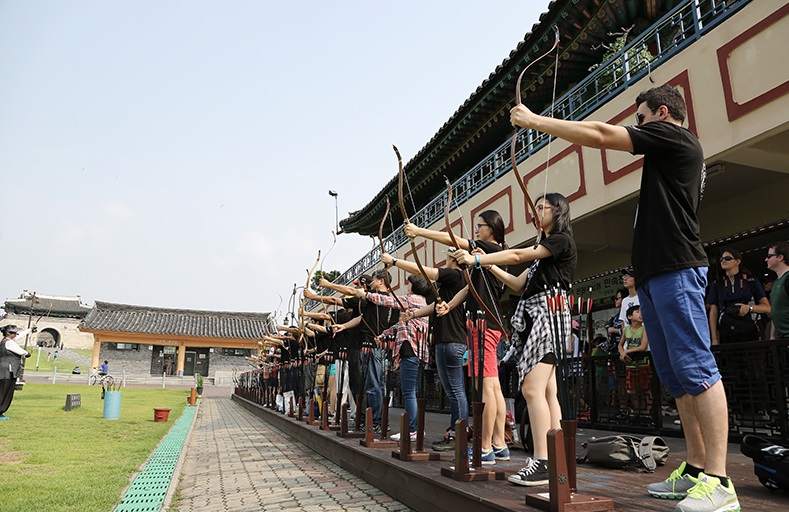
x,y
672,306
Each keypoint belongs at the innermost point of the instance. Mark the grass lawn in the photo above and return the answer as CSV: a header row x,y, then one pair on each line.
x,y
76,461
64,364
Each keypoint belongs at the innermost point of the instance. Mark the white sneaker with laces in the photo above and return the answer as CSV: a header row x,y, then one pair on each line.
x,y
675,487
709,495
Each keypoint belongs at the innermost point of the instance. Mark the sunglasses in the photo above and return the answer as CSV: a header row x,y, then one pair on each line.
x,y
727,258
481,226
771,255
640,119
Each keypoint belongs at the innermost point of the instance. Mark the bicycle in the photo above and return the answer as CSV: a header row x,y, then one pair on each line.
x,y
104,380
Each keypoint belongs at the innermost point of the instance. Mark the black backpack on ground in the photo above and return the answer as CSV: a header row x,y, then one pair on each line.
x,y
770,461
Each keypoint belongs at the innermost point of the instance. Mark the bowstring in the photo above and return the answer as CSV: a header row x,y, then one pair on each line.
x,y
550,138
485,279
410,194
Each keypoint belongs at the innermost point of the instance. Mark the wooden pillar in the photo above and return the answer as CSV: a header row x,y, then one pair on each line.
x,y
94,360
181,358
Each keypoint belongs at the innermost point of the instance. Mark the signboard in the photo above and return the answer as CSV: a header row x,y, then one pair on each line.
x,y
73,401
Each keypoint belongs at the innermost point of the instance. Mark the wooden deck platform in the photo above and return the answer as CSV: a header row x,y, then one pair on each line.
x,y
421,486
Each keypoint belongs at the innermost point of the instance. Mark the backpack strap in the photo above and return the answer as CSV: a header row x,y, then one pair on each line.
x,y
644,451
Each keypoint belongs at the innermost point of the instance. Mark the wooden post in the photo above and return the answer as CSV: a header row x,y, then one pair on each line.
x,y
461,470
561,498
369,440
344,432
406,452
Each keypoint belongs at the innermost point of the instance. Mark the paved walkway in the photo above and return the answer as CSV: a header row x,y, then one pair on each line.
x,y
236,462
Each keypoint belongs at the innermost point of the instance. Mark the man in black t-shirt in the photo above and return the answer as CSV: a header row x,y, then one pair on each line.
x,y
671,270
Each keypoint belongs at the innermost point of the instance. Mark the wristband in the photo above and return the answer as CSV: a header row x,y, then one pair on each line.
x,y
477,258
394,262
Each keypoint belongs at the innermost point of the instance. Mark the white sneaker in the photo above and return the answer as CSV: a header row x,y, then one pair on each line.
x,y
675,487
708,495
396,437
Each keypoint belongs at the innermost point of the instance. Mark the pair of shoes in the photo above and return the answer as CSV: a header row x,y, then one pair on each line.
x,y
3,417
447,444
396,437
709,495
675,487
487,457
535,473
501,453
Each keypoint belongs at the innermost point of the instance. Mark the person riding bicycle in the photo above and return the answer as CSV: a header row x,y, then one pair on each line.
x,y
105,368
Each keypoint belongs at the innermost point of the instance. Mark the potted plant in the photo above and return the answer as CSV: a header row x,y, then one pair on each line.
x,y
199,379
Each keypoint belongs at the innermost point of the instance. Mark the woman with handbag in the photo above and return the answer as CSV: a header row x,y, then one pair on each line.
x,y
733,299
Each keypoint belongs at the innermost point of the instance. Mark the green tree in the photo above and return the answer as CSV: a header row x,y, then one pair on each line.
x,y
636,58
316,278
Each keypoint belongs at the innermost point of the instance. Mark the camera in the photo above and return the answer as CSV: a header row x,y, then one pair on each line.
x,y
733,310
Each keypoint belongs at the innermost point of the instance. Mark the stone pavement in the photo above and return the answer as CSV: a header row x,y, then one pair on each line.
x,y
235,462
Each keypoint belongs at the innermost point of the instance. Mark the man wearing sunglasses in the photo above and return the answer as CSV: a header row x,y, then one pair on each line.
x,y
670,266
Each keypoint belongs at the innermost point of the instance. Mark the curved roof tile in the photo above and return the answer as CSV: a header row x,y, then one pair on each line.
x,y
125,318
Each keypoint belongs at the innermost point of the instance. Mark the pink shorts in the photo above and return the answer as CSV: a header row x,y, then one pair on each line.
x,y
491,364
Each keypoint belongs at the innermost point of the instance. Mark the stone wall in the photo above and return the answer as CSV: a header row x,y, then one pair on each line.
x,y
139,362
62,329
133,362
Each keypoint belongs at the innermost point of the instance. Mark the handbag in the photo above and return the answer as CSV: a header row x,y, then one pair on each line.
x,y
627,452
738,328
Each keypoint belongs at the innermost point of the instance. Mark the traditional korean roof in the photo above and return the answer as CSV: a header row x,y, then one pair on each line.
x,y
481,123
125,318
48,305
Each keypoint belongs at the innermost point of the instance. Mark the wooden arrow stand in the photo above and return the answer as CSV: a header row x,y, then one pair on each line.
x,y
562,478
291,411
461,470
311,413
418,453
325,418
344,432
369,440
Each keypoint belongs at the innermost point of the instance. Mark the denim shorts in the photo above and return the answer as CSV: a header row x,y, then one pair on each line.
x,y
672,306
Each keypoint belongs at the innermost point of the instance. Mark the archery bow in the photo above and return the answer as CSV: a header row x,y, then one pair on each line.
x,y
304,299
383,250
535,218
323,303
471,288
406,221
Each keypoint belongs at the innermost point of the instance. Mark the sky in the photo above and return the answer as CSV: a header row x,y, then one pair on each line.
x,y
179,154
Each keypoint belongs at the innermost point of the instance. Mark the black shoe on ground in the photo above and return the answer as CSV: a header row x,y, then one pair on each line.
x,y
378,429
447,444
535,473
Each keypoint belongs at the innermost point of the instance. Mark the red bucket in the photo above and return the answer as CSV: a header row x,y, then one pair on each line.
x,y
161,415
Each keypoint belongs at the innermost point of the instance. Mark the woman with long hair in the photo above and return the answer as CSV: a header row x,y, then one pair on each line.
x,y
489,232
553,261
